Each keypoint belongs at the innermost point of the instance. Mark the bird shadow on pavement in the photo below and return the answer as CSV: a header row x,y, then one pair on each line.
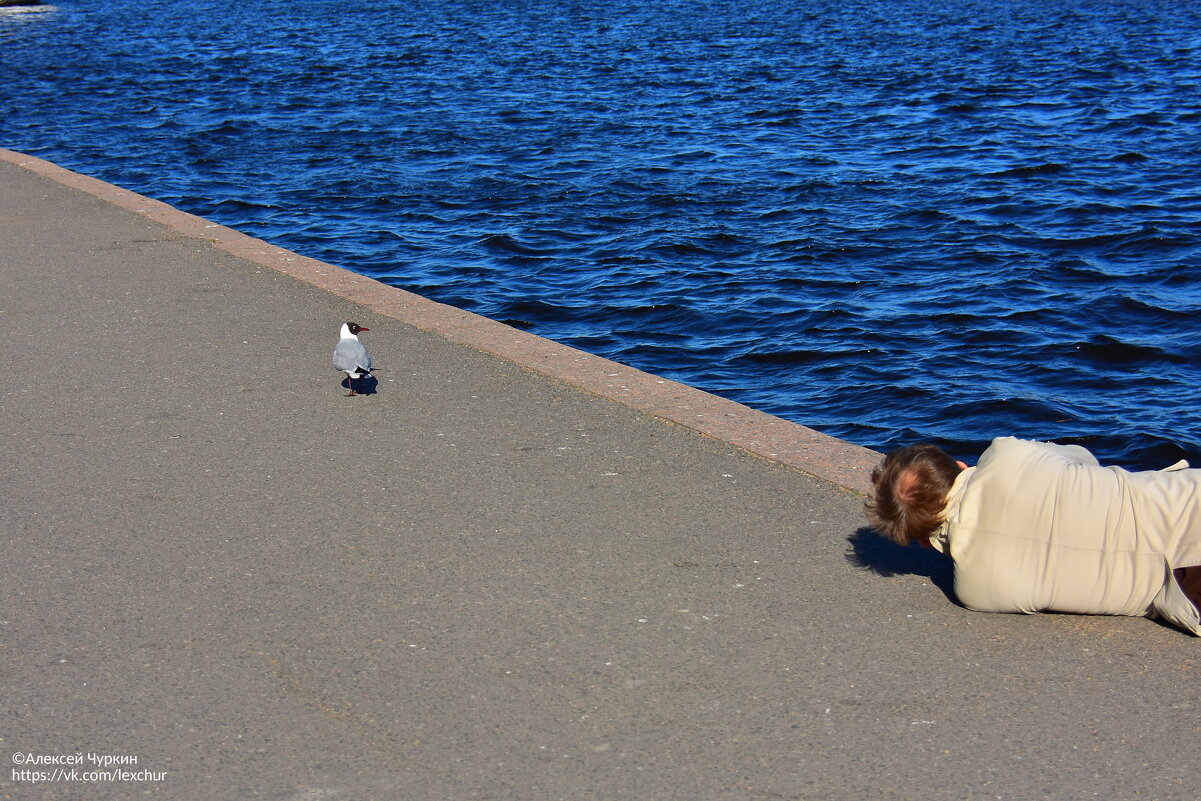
x,y
361,386
870,551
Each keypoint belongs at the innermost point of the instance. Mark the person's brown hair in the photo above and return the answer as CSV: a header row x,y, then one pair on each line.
x,y
912,484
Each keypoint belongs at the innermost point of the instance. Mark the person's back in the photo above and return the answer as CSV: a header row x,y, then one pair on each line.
x,y
1037,526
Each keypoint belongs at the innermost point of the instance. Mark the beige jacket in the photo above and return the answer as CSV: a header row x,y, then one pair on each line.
x,y
1036,526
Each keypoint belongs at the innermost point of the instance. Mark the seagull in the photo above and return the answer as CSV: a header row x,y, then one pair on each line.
x,y
351,357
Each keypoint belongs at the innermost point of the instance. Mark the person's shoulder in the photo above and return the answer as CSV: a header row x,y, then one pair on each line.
x,y
1005,443
1013,447
1003,447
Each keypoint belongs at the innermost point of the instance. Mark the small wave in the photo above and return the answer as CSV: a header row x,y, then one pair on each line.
x,y
524,325
1024,412
1006,208
1145,239
925,216
506,244
1033,171
695,246
688,156
794,357
654,318
1107,351
238,204
27,8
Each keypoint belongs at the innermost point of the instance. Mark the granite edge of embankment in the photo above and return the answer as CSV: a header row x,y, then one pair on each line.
x,y
828,458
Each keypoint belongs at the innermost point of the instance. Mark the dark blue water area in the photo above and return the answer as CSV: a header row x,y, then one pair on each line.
x,y
890,220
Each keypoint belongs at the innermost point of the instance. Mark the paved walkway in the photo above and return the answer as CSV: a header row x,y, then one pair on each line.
x,y
514,572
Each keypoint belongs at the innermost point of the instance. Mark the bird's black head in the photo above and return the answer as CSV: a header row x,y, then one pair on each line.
x,y
355,328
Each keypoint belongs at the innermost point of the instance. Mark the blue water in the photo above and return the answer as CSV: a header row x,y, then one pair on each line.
x,y
889,220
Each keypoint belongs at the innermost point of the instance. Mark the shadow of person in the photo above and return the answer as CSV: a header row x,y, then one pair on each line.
x,y
361,386
870,551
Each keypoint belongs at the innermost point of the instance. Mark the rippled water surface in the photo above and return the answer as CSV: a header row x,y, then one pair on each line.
x,y
885,219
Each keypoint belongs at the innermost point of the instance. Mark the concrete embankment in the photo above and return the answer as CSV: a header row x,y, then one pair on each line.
x,y
517,571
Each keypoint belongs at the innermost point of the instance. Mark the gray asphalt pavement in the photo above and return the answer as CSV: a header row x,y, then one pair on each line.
x,y
231,581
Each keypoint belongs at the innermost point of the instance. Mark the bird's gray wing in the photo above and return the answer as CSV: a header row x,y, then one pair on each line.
x,y
351,355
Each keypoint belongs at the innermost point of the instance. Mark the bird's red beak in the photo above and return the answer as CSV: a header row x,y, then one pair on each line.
x,y
361,328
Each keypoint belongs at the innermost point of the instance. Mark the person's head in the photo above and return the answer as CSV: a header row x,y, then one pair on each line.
x,y
911,488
